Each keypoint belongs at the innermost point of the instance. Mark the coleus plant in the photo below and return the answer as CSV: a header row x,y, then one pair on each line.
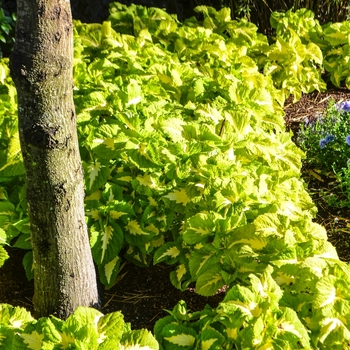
x,y
85,329
295,60
260,316
336,53
187,162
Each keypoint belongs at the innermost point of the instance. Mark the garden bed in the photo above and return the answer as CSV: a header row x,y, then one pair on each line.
x,y
142,294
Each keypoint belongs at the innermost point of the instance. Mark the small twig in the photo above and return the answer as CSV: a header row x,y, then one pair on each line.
x,y
222,127
132,298
325,99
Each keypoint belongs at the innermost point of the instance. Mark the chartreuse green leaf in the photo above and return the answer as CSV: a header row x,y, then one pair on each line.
x,y
12,320
210,281
178,337
187,161
96,175
180,275
337,33
86,329
140,339
332,309
210,339
168,252
14,317
81,327
198,227
3,255
203,258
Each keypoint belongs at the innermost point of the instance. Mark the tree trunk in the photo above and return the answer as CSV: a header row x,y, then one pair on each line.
x,y
41,67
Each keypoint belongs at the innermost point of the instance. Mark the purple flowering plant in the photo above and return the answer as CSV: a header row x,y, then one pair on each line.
x,y
325,138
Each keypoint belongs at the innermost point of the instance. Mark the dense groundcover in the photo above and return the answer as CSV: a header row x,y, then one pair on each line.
x,y
187,162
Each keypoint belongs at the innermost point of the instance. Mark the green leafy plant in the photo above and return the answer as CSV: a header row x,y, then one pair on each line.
x,y
7,32
263,314
187,162
85,329
336,53
295,60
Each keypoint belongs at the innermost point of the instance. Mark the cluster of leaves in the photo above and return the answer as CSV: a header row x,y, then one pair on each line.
x,y
85,329
326,47
7,32
337,52
185,158
187,162
296,57
13,213
261,315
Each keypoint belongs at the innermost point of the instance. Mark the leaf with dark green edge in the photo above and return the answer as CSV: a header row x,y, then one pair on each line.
x,y
330,332
96,175
157,216
246,235
175,337
82,326
210,281
210,339
7,209
136,255
199,226
120,212
291,331
109,271
108,242
139,339
102,69
180,312
31,337
180,278
111,327
12,168
203,258
122,177
139,235
160,324
168,252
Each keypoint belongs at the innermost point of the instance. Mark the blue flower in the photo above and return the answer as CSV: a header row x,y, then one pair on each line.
x,y
343,106
329,138
323,142
347,139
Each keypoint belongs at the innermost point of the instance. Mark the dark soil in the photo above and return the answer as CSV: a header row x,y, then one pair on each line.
x,y
142,294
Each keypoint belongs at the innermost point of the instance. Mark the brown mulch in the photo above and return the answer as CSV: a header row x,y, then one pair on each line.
x,y
143,294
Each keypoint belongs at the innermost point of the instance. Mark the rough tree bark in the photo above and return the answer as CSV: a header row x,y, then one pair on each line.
x,y
41,67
